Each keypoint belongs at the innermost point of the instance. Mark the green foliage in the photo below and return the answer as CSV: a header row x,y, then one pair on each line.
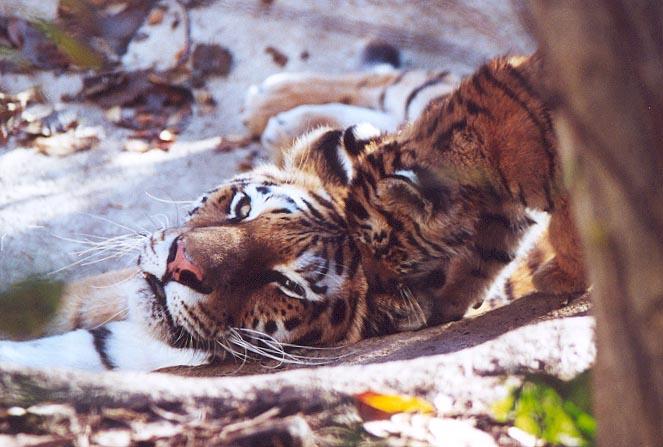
x,y
79,53
13,56
27,307
556,411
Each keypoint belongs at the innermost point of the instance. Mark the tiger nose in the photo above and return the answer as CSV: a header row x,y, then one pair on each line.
x,y
179,268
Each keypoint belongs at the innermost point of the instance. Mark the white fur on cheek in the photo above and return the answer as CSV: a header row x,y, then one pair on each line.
x,y
180,292
155,252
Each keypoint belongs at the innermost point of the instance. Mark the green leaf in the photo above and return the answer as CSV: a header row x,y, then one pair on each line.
x,y
556,411
28,306
76,51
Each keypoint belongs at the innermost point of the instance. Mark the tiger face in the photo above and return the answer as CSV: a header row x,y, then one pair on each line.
x,y
267,251
355,233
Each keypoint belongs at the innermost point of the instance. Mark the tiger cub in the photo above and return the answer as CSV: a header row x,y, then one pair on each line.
x,y
438,205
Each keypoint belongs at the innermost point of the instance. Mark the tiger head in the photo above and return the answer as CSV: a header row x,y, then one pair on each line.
x,y
269,252
334,244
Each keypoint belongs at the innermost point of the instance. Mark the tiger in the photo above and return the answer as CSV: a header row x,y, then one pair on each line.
x,y
395,199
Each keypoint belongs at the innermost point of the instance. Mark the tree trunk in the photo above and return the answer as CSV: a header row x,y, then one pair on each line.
x,y
606,61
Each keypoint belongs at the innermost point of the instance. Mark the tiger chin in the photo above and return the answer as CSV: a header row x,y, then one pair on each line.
x,y
355,232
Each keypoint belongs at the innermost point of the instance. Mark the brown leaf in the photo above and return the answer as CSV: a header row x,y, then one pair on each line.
x,y
372,406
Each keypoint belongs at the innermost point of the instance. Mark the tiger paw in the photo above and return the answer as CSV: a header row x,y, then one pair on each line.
x,y
551,278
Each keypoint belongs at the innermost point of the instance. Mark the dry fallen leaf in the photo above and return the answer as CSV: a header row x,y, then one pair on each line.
x,y
66,143
429,430
372,406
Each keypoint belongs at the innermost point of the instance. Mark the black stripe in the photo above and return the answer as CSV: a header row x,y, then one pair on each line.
x,y
292,323
503,180
475,109
442,139
494,255
500,219
352,145
521,195
478,273
270,327
546,190
313,211
524,83
99,338
393,222
318,309
320,290
417,229
476,83
354,262
413,241
312,337
432,126
233,191
338,312
324,202
457,238
377,162
192,315
338,259
413,94
434,280
329,145
281,211
355,208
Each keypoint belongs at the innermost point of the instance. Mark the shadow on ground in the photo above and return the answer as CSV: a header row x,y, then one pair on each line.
x,y
439,340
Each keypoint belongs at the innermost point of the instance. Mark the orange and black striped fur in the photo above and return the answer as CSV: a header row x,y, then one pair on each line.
x,y
439,206
355,233
480,157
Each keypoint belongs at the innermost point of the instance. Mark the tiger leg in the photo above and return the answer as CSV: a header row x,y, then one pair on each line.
x,y
498,233
94,331
125,345
94,301
402,94
565,271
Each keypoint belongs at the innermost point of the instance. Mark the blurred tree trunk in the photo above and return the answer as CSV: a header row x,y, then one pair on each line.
x,y
606,61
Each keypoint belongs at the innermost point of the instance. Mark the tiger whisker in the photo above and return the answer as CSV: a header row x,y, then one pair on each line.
x,y
119,225
131,276
112,317
273,351
169,201
278,346
414,306
292,345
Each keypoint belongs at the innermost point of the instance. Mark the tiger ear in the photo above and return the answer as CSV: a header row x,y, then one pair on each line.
x,y
330,153
416,191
